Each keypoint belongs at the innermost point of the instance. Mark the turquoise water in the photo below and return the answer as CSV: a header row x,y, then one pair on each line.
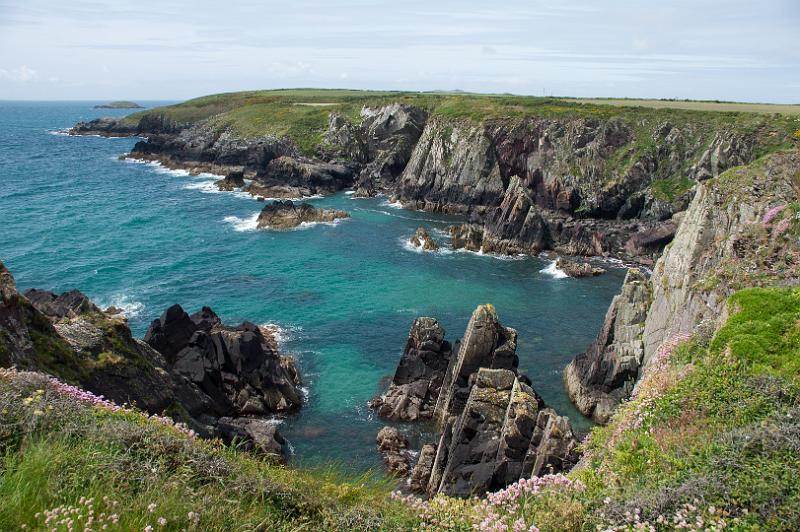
x,y
140,237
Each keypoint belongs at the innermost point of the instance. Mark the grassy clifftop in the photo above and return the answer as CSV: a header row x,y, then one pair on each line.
x,y
302,114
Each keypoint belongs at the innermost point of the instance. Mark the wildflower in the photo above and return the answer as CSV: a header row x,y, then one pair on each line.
x,y
771,214
151,507
148,528
162,521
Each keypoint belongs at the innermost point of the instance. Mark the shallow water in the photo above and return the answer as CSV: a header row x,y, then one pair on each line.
x,y
140,237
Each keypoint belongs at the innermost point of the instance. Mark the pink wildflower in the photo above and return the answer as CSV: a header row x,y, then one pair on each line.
x,y
771,214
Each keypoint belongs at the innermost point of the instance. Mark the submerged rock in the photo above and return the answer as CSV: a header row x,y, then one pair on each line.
x,y
415,387
421,239
578,269
601,377
287,214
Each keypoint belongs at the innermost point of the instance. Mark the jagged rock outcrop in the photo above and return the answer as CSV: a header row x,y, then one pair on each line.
x,y
382,142
422,240
466,236
67,305
393,446
453,168
414,390
494,427
600,378
485,344
575,268
503,434
721,245
238,368
293,177
287,215
232,181
221,381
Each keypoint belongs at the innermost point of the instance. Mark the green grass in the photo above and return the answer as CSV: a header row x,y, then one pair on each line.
x,y
724,431
55,451
302,114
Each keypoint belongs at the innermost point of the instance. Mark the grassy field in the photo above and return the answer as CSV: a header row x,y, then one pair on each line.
x,y
302,114
695,105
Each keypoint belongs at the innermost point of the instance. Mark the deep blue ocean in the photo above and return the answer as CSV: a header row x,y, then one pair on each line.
x,y
140,237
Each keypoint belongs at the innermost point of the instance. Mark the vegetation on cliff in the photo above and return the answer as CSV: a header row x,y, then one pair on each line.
x,y
709,441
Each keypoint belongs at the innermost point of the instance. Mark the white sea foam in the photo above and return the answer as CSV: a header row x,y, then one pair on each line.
x,y
60,132
243,225
284,333
349,192
129,306
497,256
553,271
392,204
309,225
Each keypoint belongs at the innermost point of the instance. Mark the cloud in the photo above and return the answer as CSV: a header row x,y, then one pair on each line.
x,y
22,74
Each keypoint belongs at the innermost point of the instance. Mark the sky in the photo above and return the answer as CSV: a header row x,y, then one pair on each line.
x,y
741,50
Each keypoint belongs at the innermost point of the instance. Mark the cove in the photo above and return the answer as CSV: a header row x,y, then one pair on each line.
x,y
143,238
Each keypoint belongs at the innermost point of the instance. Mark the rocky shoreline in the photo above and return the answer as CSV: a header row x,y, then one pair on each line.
x,y
525,185
220,380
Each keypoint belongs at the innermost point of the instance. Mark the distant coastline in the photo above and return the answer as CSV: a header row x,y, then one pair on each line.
x,y
119,105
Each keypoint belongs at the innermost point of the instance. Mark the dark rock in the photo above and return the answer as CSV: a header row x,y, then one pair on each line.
x,y
578,269
421,474
422,240
651,240
553,446
170,333
600,378
415,388
260,435
106,127
466,236
393,446
232,181
486,344
286,215
308,175
67,305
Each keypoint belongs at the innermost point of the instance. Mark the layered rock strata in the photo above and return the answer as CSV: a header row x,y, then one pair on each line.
x,y
495,429
601,377
735,233
576,185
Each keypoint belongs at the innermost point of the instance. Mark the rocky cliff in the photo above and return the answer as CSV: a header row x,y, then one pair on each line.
x,y
495,429
740,230
220,380
530,176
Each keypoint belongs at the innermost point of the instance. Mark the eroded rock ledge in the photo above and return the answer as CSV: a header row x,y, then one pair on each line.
x,y
286,215
495,429
223,381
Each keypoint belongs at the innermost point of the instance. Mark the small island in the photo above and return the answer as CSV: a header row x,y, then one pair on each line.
x,y
119,105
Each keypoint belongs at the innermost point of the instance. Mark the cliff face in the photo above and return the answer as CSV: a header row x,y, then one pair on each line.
x,y
220,380
494,428
739,231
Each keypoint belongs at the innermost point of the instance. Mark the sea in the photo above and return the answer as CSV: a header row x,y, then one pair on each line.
x,y
141,237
